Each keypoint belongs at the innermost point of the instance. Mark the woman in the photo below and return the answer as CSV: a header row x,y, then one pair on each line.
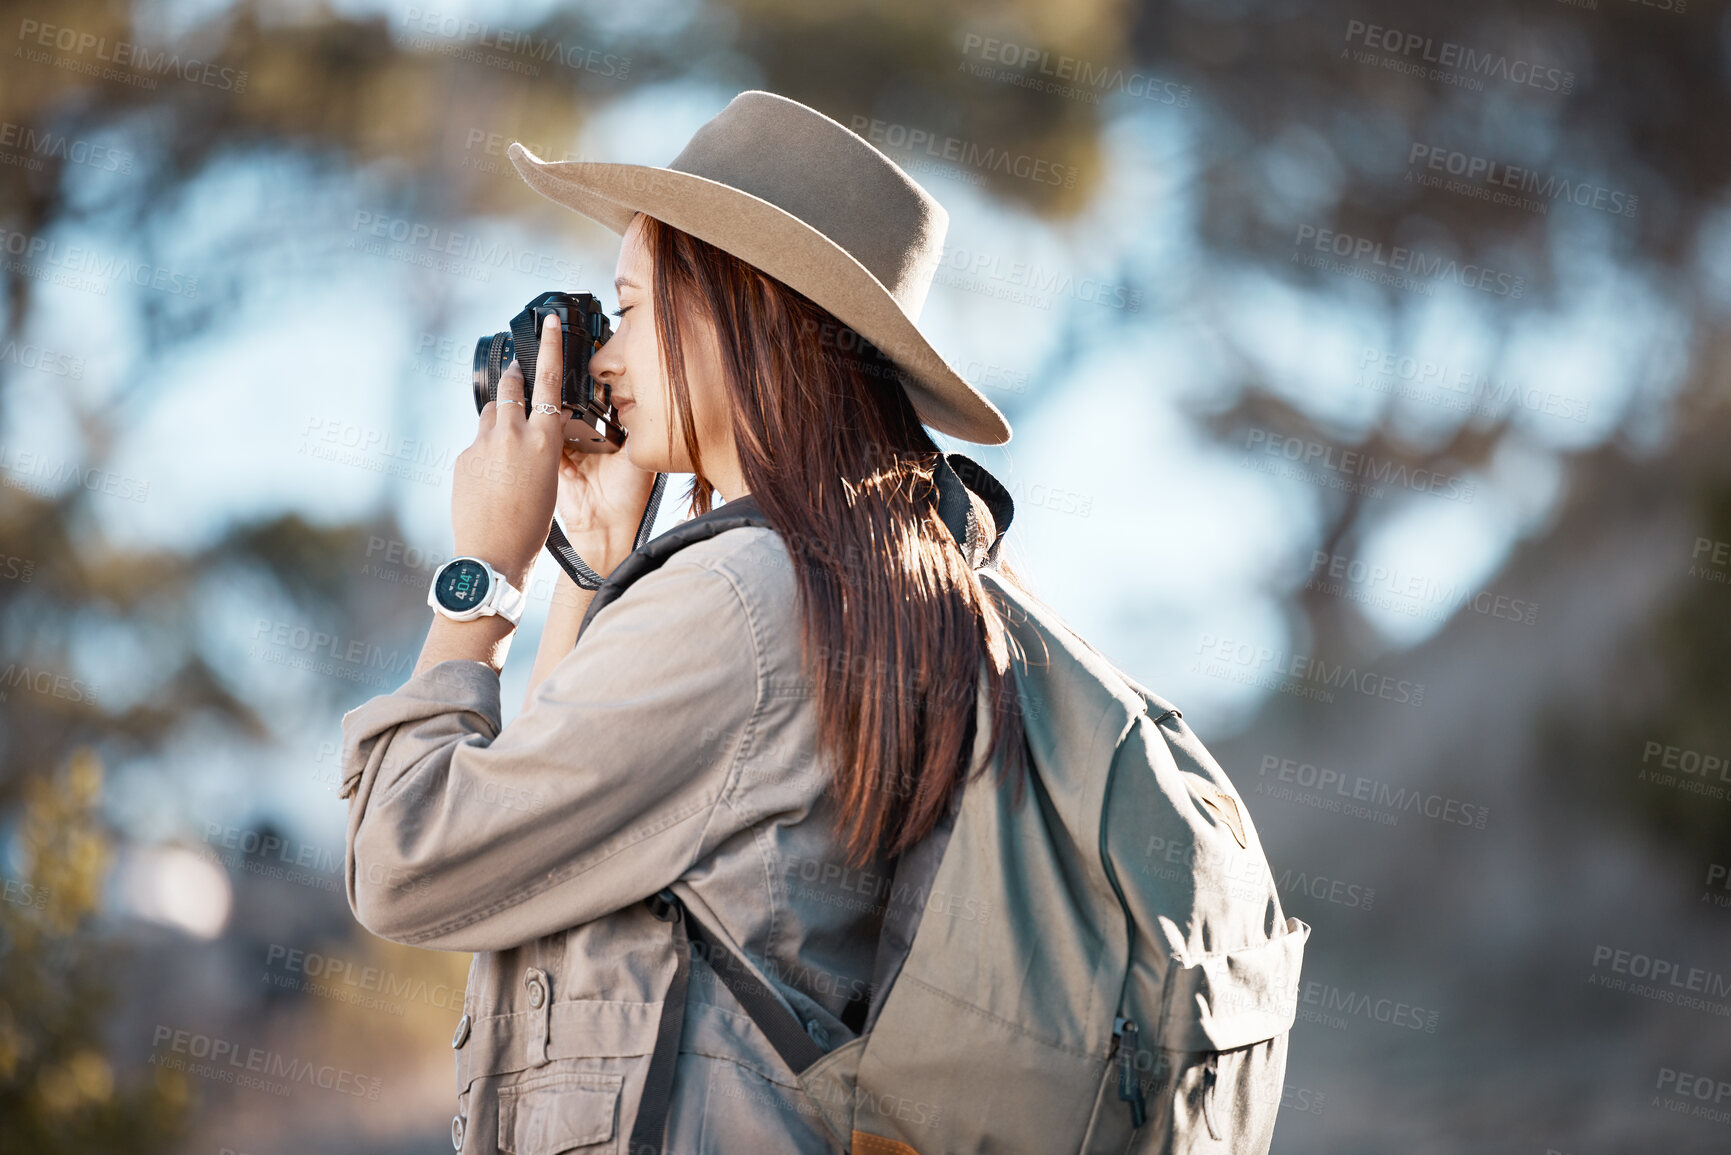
x,y
763,723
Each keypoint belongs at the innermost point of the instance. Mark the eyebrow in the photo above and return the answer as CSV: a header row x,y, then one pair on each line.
x,y
621,282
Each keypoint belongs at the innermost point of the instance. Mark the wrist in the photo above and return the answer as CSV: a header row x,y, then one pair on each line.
x,y
484,639
600,552
567,594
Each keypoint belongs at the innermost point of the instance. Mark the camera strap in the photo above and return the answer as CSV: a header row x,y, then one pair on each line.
x,y
572,563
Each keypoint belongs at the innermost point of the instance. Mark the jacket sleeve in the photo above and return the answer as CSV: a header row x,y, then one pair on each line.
x,y
467,836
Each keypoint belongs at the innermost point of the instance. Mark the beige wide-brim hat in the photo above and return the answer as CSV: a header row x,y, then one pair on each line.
x,y
806,200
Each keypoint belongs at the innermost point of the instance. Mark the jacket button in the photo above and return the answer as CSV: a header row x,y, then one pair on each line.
x,y
537,992
457,1132
462,1035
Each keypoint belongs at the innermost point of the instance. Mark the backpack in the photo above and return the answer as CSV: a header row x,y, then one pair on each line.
x,y
1102,968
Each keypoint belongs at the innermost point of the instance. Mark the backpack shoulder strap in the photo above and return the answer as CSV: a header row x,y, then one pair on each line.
x,y
741,511
956,476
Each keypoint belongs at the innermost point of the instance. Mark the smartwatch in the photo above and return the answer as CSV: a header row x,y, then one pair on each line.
x,y
466,588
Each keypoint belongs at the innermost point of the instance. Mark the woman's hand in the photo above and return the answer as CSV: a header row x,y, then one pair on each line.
x,y
504,484
602,497
601,500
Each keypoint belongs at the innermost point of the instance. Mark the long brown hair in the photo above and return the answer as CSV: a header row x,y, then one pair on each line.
x,y
896,628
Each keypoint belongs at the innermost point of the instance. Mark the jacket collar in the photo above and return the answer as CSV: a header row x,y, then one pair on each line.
x,y
974,505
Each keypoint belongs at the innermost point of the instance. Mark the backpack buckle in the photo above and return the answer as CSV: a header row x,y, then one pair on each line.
x,y
1129,1085
663,904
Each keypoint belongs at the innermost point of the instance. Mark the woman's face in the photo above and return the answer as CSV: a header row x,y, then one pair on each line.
x,y
630,363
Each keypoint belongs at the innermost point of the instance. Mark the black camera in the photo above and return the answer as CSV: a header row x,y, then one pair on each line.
x,y
592,423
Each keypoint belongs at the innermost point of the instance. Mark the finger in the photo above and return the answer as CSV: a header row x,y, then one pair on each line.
x,y
549,374
510,390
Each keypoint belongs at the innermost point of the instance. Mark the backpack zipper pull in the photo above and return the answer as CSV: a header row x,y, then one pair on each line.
x,y
1129,1086
1210,1076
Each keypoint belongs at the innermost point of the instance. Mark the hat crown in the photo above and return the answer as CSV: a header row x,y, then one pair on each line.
x,y
833,180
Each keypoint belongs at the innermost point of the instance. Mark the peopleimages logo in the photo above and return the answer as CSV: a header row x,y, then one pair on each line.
x,y
24,143
1425,268
469,247
1439,384
303,648
459,33
380,451
358,984
1394,800
1661,979
1298,674
49,361
491,149
1402,591
1333,1007
964,152
1316,458
123,53
37,255
1040,282
46,682
1337,891
1444,60
227,1061
1700,1088
37,473
1067,76
1494,176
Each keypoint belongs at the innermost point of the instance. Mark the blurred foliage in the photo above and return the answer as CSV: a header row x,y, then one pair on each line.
x,y
1281,132
58,1090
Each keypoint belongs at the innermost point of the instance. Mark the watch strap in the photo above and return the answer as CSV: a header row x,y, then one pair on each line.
x,y
509,602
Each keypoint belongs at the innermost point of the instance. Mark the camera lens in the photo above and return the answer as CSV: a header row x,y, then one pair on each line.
x,y
592,425
492,354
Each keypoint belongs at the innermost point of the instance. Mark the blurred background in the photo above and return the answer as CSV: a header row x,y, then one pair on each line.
x,y
1368,366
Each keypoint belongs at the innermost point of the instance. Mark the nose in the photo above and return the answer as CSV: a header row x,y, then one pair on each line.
x,y
605,364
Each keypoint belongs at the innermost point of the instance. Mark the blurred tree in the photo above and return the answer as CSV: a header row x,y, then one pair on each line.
x,y
58,1090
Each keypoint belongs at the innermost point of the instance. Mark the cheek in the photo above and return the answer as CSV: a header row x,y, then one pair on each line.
x,y
709,400
710,411
648,382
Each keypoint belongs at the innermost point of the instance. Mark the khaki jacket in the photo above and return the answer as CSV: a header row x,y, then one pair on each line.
x,y
675,746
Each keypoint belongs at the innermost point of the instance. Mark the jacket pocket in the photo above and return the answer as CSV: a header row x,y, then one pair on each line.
x,y
548,1113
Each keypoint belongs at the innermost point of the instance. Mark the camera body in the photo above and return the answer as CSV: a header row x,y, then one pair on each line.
x,y
592,423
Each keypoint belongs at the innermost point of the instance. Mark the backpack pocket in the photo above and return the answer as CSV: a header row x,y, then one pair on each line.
x,y
1215,1102
1205,1071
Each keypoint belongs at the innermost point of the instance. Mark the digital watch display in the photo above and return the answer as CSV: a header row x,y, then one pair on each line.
x,y
466,588
462,585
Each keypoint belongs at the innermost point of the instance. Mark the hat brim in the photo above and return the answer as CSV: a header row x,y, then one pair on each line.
x,y
780,244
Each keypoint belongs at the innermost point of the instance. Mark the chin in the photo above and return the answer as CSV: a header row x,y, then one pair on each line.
x,y
635,452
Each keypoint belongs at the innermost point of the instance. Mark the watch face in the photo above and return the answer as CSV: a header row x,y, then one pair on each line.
x,y
462,585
